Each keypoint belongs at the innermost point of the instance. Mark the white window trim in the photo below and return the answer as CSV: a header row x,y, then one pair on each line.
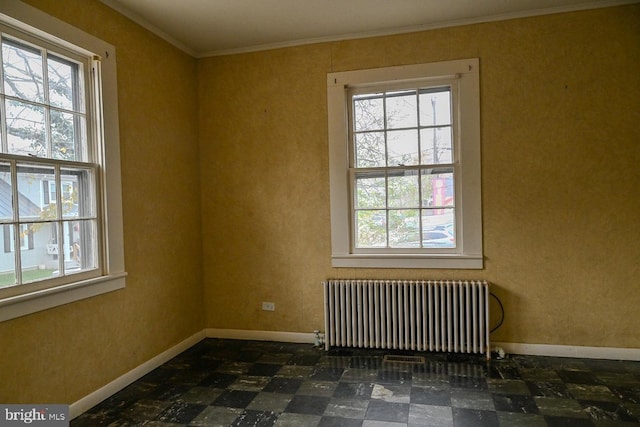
x,y
27,18
469,254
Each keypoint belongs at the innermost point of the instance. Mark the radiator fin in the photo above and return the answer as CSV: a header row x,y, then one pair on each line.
x,y
419,315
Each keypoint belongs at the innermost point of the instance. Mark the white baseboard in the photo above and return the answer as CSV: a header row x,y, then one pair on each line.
x,y
242,334
584,352
79,407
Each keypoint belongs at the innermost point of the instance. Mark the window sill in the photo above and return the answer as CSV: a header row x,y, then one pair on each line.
x,y
24,304
447,261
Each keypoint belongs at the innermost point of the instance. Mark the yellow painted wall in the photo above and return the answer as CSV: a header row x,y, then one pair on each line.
x,y
63,354
225,191
560,100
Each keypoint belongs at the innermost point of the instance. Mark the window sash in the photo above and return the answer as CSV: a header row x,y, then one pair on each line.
x,y
76,107
384,92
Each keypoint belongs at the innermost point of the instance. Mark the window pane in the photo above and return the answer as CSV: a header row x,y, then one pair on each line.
x,y
436,145
435,107
438,228
402,110
368,112
370,150
370,191
403,189
64,88
404,228
40,256
7,256
36,192
403,148
6,193
371,229
78,198
79,248
26,129
22,68
68,135
437,187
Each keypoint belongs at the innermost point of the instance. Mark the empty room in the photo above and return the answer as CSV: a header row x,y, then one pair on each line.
x,y
284,212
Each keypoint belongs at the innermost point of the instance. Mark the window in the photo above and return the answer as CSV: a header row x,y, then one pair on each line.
x,y
405,166
60,200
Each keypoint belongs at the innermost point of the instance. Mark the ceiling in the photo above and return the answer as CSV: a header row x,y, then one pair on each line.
x,y
217,27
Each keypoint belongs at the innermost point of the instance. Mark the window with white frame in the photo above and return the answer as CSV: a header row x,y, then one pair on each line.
x,y
405,166
60,199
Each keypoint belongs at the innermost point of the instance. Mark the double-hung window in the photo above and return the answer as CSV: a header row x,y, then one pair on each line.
x,y
60,203
405,166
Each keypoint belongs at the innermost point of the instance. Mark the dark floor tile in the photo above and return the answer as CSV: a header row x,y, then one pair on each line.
x,y
598,393
618,379
283,385
353,390
276,358
305,358
235,398
264,369
567,422
90,419
169,392
379,410
627,394
146,409
578,377
431,396
219,380
607,411
248,355
515,403
312,405
256,419
505,371
474,418
548,389
508,386
181,413
327,374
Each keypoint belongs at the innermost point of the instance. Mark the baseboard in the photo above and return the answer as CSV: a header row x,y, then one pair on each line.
x,y
89,401
612,353
243,334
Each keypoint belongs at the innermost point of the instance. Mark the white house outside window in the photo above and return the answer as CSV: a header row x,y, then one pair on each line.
x,y
405,166
60,201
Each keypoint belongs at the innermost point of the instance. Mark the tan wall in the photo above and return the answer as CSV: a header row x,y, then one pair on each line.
x,y
560,112
63,354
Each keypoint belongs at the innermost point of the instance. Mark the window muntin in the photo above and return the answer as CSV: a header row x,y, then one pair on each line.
x,y
48,164
402,167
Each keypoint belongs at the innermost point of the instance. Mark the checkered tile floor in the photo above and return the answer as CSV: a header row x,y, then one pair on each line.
x,y
249,383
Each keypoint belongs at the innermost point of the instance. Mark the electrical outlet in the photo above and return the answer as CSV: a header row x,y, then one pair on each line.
x,y
269,306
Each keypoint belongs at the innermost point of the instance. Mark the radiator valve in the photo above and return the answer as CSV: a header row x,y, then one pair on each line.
x,y
318,339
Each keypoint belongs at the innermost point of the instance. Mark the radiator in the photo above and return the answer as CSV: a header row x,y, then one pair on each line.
x,y
441,316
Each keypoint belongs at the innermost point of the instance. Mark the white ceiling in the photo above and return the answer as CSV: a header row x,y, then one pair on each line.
x,y
216,27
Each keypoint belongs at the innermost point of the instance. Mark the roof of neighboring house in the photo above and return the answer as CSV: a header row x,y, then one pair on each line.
x,y
27,207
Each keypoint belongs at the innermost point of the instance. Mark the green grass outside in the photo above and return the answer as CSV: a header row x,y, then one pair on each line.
x,y
9,279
